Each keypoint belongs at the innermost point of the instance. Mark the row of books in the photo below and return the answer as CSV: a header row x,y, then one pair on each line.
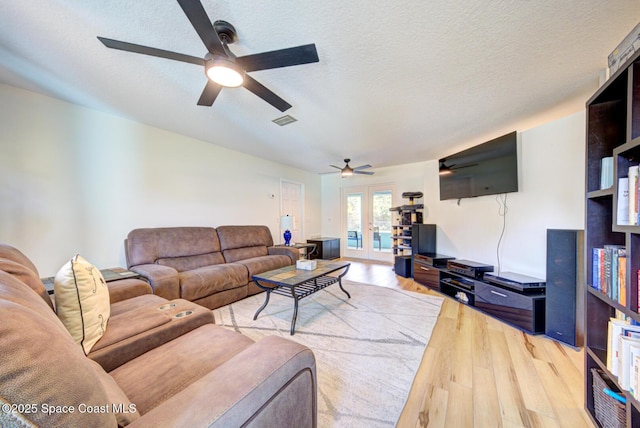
x,y
610,272
628,210
623,354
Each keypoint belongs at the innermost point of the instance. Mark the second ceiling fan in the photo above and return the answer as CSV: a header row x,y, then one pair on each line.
x,y
221,66
347,171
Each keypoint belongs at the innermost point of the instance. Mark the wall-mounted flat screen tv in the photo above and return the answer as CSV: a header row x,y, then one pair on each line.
x,y
487,169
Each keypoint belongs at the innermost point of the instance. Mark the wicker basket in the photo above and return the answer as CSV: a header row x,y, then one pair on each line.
x,y
610,413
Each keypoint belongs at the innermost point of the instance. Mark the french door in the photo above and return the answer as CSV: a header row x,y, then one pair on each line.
x,y
366,224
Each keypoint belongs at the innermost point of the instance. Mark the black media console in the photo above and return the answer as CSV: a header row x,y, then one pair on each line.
x,y
516,299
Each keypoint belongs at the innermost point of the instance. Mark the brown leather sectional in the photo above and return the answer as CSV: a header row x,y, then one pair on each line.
x,y
209,266
154,365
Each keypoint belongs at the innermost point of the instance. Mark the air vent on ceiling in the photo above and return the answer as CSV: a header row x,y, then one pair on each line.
x,y
284,120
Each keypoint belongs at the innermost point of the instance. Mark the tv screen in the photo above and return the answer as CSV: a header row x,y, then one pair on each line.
x,y
486,169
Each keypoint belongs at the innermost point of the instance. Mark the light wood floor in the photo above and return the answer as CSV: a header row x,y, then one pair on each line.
x,y
480,372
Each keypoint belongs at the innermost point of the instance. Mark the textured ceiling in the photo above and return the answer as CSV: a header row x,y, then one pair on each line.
x,y
397,82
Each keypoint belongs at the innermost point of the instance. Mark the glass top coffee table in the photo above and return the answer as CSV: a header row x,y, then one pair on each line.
x,y
298,283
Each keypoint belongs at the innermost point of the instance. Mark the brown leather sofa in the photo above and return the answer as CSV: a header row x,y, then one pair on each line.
x,y
139,321
209,266
207,376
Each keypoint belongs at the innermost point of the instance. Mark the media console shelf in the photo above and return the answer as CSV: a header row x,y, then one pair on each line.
x,y
613,130
524,309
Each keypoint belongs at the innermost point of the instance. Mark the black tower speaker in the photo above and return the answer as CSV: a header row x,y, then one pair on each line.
x,y
565,286
423,240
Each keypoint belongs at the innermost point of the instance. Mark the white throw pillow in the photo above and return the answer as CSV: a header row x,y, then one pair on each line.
x,y
82,301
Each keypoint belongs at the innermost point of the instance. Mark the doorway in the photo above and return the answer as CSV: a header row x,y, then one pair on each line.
x,y
366,224
292,203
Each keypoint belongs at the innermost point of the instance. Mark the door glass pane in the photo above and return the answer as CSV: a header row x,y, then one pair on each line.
x,y
354,220
381,233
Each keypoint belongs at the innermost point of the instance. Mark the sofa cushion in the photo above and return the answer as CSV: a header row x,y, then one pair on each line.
x,y
134,303
191,262
124,289
182,361
27,276
244,237
201,282
237,254
11,253
129,324
82,301
147,245
42,364
118,402
262,264
143,323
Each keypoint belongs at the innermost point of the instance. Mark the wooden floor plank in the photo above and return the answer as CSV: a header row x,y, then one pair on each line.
x,y
434,411
512,406
462,372
523,354
459,412
559,395
512,379
486,404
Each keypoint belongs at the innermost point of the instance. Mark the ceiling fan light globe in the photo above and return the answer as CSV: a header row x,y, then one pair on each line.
x,y
225,73
347,172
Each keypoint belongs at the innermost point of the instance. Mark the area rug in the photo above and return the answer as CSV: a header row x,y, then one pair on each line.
x,y
367,348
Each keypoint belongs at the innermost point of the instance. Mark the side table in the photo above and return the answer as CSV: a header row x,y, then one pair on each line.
x,y
309,249
328,248
109,275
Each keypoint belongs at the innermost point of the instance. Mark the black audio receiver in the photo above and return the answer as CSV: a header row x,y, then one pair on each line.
x,y
468,268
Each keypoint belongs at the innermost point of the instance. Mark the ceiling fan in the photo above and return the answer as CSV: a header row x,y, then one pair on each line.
x,y
221,66
347,171
445,169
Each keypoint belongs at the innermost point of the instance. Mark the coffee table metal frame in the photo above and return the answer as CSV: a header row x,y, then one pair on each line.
x,y
298,283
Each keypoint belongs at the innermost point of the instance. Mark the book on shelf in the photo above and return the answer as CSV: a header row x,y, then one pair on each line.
x,y
609,267
606,172
622,217
614,331
622,280
638,304
623,346
633,194
634,388
628,347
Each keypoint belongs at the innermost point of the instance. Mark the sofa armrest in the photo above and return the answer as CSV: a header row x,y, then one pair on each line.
x,y
293,253
124,289
163,279
272,383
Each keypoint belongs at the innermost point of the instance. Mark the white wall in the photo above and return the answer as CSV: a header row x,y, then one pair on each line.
x,y
551,196
74,180
408,178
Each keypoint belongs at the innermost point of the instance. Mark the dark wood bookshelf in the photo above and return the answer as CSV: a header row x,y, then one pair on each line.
x,y
613,129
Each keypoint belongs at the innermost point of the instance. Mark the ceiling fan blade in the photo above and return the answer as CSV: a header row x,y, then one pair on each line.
x,y
281,58
362,167
336,167
363,172
209,94
266,94
202,24
132,47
